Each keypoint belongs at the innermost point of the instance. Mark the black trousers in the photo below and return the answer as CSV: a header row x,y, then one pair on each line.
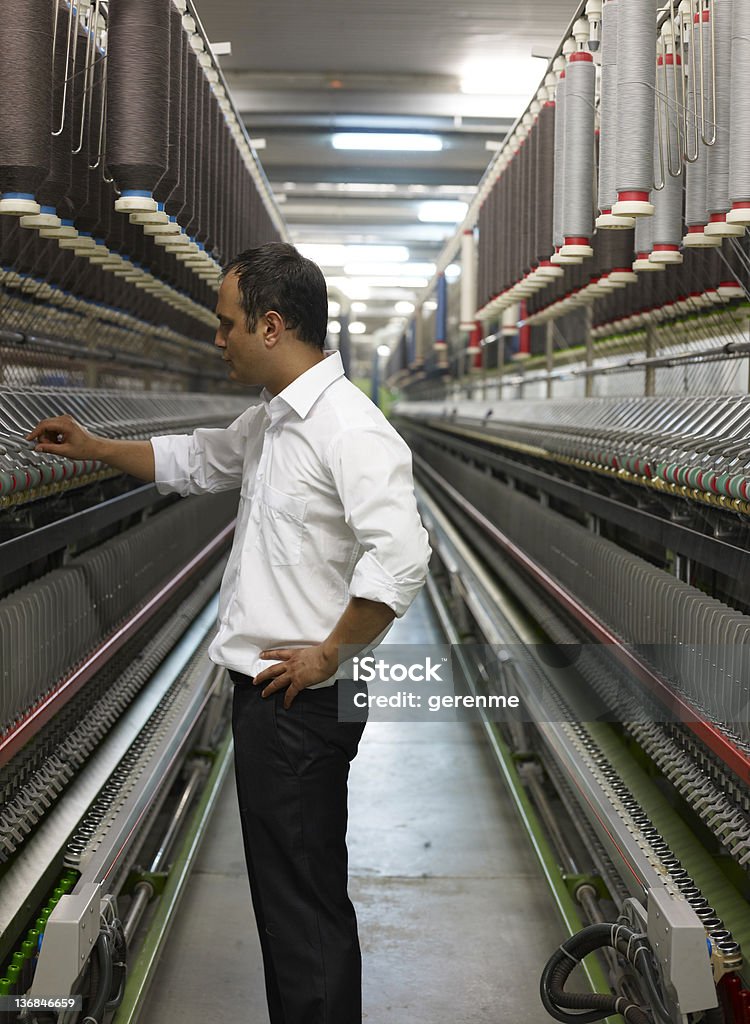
x,y
292,768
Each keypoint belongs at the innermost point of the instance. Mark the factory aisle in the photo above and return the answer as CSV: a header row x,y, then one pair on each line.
x,y
455,918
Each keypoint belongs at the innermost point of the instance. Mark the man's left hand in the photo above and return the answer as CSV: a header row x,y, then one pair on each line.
x,y
296,668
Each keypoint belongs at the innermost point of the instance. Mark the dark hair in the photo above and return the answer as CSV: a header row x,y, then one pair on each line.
x,y
276,276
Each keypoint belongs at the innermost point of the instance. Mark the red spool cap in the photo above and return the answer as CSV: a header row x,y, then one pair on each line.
x,y
666,248
577,240
632,196
717,218
581,56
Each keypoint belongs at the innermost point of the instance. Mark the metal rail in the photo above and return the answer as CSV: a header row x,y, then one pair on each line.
x,y
709,734
51,704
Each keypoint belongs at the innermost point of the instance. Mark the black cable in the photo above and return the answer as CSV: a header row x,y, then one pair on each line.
x,y
104,963
589,1006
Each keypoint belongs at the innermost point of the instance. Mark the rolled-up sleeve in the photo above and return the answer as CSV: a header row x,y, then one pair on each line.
x,y
210,459
372,469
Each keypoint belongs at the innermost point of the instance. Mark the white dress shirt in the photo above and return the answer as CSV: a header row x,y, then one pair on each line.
x,y
327,511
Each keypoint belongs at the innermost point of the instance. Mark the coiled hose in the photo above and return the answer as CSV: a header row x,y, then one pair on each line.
x,y
632,945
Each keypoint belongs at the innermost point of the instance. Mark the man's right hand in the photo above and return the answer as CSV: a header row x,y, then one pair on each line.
x,y
64,436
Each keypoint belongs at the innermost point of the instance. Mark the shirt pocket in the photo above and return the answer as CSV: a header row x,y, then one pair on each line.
x,y
282,525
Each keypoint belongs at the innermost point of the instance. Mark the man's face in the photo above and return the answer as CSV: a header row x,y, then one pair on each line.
x,y
242,349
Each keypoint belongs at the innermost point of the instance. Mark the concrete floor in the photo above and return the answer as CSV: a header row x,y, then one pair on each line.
x,y
455,918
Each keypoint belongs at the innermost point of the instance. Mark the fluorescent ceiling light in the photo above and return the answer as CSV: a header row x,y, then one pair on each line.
x,y
403,283
357,327
343,255
334,327
389,269
359,307
505,76
324,255
387,142
384,351
442,211
404,307
452,272
429,306
334,308
368,253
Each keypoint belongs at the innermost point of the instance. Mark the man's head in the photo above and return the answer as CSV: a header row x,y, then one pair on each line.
x,y
273,314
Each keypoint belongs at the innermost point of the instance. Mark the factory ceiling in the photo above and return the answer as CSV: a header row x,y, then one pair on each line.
x,y
302,73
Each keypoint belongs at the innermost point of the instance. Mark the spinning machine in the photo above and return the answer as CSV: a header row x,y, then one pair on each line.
x,y
126,180
579,415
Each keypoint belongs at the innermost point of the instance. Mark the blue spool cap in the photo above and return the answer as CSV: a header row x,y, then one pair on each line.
x,y
85,234
50,210
136,193
160,207
172,220
68,224
17,195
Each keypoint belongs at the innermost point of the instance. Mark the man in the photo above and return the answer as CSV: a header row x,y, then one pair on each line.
x,y
328,549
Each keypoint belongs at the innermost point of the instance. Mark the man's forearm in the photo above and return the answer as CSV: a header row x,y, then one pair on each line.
x,y
133,457
359,624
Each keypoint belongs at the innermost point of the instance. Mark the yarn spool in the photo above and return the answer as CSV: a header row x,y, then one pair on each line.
x,y
171,177
175,206
206,163
195,107
667,220
739,118
544,191
607,192
733,278
86,190
558,239
644,244
577,200
636,86
621,248
52,194
696,173
468,281
718,202
137,100
25,111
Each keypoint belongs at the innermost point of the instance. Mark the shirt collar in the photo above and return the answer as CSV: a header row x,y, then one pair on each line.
x,y
305,390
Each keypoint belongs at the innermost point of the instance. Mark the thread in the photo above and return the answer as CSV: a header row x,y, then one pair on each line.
x,y
176,205
577,215
86,191
696,214
206,157
717,192
608,108
195,104
644,235
544,188
137,92
167,185
26,90
667,221
560,120
739,136
55,189
636,87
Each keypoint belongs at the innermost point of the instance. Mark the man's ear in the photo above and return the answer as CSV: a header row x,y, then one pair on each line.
x,y
273,327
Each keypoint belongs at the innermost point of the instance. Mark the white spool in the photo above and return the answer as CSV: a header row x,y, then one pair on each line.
x,y
739,117
696,180
468,281
667,221
636,87
578,157
607,193
718,202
